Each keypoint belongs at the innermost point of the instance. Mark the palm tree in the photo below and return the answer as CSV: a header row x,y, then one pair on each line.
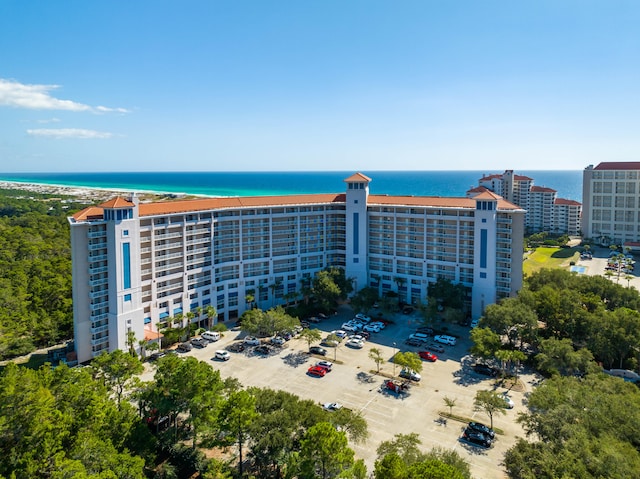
x,y
400,281
211,312
131,341
143,344
190,315
250,297
199,314
450,403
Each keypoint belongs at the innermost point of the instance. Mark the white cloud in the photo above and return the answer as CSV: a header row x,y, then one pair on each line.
x,y
38,97
50,120
59,133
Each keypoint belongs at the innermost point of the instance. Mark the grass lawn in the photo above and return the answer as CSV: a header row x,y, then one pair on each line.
x,y
549,257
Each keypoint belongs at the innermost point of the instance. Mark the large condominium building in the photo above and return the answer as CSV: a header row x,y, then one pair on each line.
x,y
611,202
138,264
544,210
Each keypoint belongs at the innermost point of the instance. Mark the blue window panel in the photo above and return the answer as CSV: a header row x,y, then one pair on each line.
x,y
483,275
164,315
193,306
356,233
125,233
484,220
126,265
147,320
356,260
483,248
220,297
127,297
177,311
206,301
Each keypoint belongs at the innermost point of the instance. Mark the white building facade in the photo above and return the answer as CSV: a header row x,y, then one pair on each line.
x,y
611,202
135,265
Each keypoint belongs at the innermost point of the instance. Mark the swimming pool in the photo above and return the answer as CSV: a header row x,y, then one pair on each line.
x,y
578,269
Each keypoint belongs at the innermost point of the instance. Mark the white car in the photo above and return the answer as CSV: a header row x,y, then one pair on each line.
x,y
355,343
252,341
331,406
340,333
277,340
325,364
211,336
222,355
379,324
508,401
419,336
359,338
350,327
474,323
362,317
444,339
371,328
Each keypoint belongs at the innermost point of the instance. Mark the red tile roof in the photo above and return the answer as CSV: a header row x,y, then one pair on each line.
x,y
204,204
618,165
358,177
542,189
563,201
117,202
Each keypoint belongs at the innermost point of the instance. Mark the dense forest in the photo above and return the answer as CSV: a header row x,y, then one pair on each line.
x,y
35,272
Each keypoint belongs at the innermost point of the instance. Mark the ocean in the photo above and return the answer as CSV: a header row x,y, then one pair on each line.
x,y
567,183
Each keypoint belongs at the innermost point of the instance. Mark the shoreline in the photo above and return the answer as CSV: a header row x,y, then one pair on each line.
x,y
90,194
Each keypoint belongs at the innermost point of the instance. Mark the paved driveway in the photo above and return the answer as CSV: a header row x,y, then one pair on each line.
x,y
353,384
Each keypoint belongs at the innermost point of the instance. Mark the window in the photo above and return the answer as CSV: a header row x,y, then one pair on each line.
x,y
127,297
126,266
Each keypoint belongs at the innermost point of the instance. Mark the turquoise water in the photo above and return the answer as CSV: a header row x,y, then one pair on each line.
x,y
578,269
568,184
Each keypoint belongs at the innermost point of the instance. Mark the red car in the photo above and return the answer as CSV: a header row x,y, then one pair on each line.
x,y
428,356
317,371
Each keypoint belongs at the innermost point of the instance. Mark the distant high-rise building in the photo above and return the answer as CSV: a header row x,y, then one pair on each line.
x,y
544,210
611,202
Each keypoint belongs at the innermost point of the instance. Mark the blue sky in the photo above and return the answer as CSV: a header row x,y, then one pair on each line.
x,y
318,85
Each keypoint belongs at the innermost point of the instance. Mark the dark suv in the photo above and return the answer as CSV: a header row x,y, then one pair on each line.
x,y
475,437
318,350
485,370
486,430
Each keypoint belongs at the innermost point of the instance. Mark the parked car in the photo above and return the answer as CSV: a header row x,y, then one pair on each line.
x,y
222,355
318,350
419,336
278,340
486,430
379,324
475,437
359,337
211,336
407,374
444,339
322,316
316,371
371,328
199,342
325,364
355,343
362,317
425,329
236,347
485,369
157,355
508,401
474,323
429,356
396,386
251,341
364,334
340,333
264,349
184,347
436,347
331,406
407,310
413,342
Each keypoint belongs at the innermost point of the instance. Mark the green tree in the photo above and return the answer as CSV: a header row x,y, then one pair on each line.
x,y
485,342
404,446
376,355
450,403
325,290
490,403
557,356
117,370
324,452
212,315
390,466
236,418
351,422
311,336
408,360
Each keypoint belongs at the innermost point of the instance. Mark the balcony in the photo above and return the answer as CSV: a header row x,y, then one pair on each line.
x,y
100,329
98,306
102,340
98,269
97,246
98,317
100,257
99,294
96,234
98,282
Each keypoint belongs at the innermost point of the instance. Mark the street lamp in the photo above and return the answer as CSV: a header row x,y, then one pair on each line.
x,y
394,359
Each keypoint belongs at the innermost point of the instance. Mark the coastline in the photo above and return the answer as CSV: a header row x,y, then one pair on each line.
x,y
87,194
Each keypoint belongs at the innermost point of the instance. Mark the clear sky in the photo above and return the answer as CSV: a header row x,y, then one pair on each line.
x,y
250,85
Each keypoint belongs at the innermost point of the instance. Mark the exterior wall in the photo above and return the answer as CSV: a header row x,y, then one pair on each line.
x,y
611,197
184,261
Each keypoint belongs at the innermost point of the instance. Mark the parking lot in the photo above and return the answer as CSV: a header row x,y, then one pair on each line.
x,y
353,383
